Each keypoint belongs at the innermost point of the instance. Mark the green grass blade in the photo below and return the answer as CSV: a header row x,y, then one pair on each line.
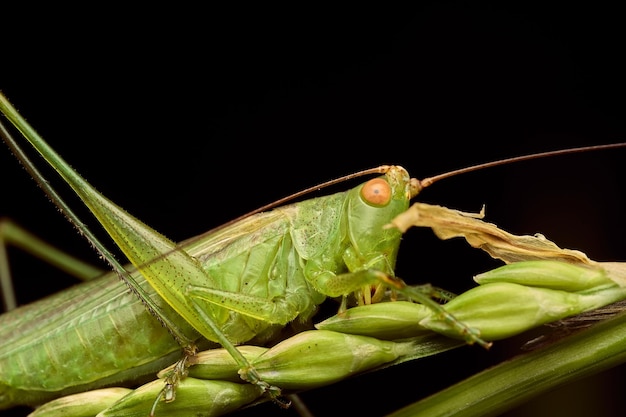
x,y
511,383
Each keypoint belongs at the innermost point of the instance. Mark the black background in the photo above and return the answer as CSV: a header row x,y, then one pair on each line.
x,y
189,117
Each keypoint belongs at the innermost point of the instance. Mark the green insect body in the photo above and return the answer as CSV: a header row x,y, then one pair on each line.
x,y
94,334
279,265
244,283
250,279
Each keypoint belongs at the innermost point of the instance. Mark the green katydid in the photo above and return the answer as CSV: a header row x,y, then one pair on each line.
x,y
289,288
200,292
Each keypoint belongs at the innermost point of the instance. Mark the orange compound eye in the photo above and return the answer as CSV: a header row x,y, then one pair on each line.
x,y
376,192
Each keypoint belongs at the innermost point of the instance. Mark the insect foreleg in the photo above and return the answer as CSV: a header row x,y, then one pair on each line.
x,y
471,335
340,284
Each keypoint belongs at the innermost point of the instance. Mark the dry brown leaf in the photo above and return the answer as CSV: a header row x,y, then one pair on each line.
x,y
447,224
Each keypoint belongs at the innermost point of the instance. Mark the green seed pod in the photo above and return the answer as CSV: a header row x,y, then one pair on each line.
x,y
501,310
195,397
388,321
547,274
85,404
319,357
217,363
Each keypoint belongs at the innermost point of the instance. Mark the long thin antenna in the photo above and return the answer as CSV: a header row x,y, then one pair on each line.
x,y
378,170
418,185
428,181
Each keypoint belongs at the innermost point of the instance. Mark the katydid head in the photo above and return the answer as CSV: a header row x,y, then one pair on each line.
x,y
371,206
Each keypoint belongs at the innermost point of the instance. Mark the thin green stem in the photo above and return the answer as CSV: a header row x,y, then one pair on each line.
x,y
504,386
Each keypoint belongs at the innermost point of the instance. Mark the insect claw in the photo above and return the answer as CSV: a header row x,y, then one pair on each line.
x,y
165,391
275,394
250,375
472,338
278,398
